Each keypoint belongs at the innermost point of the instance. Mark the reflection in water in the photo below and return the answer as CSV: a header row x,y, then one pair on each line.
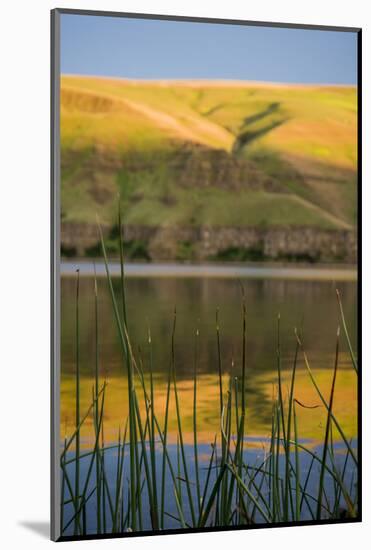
x,y
254,456
311,422
310,306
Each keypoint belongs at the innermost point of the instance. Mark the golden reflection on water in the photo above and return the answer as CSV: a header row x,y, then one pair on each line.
x,y
309,305
311,422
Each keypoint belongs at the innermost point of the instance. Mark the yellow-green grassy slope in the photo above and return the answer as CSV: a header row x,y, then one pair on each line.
x,y
225,153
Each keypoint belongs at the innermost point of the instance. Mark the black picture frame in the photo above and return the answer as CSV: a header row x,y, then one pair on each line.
x,y
55,263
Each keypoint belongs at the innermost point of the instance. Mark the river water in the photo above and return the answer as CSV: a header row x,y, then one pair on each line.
x,y
304,299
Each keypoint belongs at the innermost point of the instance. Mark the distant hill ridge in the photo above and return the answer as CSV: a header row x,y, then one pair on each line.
x,y
218,153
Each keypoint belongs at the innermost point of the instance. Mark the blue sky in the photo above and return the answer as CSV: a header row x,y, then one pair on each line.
x,y
149,49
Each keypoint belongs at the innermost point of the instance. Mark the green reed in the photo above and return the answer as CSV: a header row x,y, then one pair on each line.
x,y
228,490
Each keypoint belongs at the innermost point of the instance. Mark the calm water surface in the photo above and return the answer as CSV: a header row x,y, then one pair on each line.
x,y
309,305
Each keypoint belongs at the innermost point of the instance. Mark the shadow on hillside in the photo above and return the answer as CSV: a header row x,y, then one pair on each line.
x,y
247,134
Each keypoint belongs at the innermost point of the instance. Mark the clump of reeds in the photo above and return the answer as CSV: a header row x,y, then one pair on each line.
x,y
229,491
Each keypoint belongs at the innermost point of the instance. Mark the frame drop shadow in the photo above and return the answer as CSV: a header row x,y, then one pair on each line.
x,y
41,528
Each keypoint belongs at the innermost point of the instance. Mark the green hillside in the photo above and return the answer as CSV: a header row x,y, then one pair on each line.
x,y
218,153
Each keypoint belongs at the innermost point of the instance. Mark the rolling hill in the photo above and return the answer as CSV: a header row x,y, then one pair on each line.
x,y
215,153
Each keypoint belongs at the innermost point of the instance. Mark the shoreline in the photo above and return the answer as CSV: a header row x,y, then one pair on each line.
x,y
222,271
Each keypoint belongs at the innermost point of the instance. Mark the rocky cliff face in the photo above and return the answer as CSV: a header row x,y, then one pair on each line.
x,y
201,167
206,243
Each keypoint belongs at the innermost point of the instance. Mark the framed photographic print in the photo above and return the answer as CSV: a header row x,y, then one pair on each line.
x,y
205,274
